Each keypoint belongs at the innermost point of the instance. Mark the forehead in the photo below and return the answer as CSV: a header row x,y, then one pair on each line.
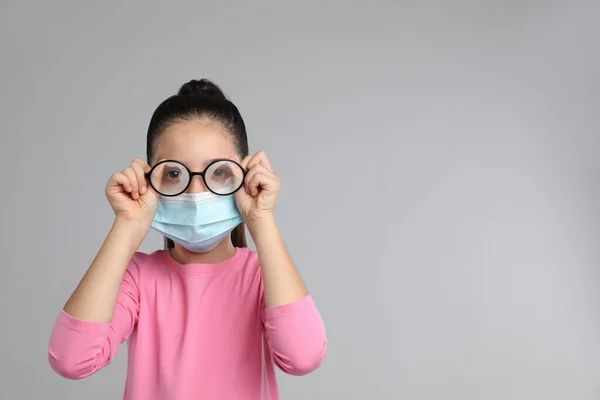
x,y
195,143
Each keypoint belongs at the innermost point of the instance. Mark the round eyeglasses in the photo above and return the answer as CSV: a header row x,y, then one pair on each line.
x,y
172,178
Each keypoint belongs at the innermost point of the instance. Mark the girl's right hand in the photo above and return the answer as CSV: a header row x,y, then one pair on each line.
x,y
130,195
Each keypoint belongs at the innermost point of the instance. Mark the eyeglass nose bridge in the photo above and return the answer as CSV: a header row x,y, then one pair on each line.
x,y
191,177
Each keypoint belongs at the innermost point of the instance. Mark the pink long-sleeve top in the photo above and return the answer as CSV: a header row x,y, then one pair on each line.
x,y
194,331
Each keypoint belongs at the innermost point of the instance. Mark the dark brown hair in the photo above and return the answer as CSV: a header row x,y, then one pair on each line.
x,y
200,99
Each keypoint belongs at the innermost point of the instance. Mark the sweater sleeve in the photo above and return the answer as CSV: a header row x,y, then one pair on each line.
x,y
78,348
296,336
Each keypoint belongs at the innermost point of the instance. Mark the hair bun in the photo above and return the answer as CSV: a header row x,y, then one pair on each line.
x,y
202,88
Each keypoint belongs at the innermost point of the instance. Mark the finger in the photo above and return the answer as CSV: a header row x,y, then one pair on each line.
x,y
145,166
258,168
121,180
251,178
139,174
260,158
262,182
130,174
244,162
264,160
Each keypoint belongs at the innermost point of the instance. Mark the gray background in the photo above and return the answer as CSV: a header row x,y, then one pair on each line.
x,y
439,164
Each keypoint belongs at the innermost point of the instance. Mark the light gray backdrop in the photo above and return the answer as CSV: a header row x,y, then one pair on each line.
x,y
439,164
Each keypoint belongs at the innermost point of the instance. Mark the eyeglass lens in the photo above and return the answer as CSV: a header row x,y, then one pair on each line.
x,y
171,178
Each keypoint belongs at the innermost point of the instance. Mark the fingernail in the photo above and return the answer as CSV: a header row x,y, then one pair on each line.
x,y
143,189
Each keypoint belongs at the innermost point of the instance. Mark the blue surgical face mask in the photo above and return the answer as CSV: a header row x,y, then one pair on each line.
x,y
198,221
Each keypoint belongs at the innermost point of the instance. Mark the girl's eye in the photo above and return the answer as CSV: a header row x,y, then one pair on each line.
x,y
221,173
173,174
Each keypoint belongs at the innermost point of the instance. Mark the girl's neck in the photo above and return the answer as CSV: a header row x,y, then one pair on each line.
x,y
223,252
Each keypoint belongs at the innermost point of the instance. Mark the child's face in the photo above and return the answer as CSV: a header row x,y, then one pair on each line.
x,y
195,144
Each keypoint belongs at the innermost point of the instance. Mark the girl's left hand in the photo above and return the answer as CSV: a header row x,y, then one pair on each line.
x,y
256,200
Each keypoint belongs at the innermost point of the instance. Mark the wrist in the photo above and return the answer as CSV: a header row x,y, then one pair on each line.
x,y
133,231
263,224
133,224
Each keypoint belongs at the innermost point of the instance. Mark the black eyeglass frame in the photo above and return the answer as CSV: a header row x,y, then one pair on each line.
x,y
191,174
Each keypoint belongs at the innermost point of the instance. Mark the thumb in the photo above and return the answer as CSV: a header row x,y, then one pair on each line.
x,y
241,197
241,194
151,196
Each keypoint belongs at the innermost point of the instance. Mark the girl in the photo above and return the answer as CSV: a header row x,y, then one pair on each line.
x,y
205,318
